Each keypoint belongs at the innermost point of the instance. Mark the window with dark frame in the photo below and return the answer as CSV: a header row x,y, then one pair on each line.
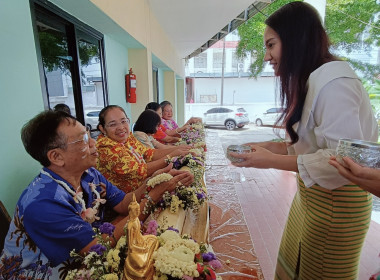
x,y
71,62
200,61
156,92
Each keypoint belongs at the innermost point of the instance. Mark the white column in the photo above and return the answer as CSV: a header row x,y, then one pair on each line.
x,y
320,5
210,56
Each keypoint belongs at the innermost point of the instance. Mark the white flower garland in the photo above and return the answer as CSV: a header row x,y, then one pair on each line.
x,y
89,214
158,179
151,183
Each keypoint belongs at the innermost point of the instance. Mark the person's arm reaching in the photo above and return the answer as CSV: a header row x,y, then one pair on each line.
x,y
367,178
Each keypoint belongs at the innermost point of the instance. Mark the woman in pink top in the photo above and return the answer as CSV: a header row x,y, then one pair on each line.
x,y
169,123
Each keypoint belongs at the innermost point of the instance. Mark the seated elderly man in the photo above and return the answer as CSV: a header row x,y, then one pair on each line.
x,y
58,210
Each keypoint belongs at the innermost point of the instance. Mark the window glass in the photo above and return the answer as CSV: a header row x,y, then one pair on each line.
x,y
217,58
72,63
56,61
200,61
237,63
91,76
241,110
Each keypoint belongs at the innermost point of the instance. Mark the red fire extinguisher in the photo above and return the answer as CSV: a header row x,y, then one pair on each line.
x,y
130,87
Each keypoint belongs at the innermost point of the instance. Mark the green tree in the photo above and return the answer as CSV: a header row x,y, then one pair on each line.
x,y
350,24
54,51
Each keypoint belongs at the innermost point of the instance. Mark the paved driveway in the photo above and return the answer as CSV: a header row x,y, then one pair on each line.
x,y
251,133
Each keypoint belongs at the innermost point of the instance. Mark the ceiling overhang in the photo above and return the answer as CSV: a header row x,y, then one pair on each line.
x,y
248,13
193,26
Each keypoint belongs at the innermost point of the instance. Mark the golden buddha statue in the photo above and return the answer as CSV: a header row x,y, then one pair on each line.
x,y
139,262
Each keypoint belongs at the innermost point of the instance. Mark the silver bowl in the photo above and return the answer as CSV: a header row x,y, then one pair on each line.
x,y
240,149
363,152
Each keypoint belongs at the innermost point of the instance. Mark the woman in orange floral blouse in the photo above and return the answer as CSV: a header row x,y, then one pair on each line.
x,y
123,160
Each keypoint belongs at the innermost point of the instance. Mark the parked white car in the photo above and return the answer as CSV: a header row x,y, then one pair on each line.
x,y
91,118
269,117
230,117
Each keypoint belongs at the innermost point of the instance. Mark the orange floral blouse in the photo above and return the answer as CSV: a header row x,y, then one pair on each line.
x,y
124,165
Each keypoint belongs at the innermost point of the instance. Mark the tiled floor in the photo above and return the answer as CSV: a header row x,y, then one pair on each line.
x,y
265,197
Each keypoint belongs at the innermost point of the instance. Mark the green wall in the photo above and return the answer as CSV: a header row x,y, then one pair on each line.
x,y
21,98
116,56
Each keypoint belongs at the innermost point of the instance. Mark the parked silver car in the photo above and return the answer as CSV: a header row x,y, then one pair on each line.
x,y
269,117
229,117
91,118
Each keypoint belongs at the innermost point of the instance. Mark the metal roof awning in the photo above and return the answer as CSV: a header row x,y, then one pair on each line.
x,y
248,13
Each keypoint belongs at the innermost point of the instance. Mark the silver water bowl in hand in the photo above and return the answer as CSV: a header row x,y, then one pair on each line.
x,y
240,149
363,152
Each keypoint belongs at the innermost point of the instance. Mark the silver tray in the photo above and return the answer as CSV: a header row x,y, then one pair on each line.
x,y
363,152
240,149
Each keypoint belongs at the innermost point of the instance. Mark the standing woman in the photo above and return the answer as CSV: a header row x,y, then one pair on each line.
x,y
324,101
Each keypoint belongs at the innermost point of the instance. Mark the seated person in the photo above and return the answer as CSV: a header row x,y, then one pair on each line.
x,y
145,127
57,211
62,107
161,134
123,160
171,126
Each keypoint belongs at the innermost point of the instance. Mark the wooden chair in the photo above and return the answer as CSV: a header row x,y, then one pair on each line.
x,y
5,221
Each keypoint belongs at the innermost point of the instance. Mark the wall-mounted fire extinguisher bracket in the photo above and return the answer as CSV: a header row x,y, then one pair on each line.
x,y
130,87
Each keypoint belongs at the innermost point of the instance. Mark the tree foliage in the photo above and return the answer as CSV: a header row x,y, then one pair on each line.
x,y
55,54
351,25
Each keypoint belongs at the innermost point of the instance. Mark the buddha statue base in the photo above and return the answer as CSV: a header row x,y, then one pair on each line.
x,y
148,276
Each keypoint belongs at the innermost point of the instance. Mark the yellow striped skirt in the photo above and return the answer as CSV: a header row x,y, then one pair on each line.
x,y
324,234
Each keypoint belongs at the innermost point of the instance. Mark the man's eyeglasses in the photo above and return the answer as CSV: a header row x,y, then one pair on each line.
x,y
114,125
85,139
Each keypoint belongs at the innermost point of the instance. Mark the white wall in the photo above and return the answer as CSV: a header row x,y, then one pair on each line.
x,y
236,90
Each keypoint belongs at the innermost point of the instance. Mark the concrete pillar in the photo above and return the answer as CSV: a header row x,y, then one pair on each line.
x,y
181,102
170,90
141,63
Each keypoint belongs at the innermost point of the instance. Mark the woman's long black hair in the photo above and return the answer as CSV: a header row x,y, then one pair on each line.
x,y
305,47
147,122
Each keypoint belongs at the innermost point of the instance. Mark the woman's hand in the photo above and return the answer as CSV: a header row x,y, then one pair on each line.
x,y
180,152
258,157
183,128
194,120
180,178
367,178
272,146
261,157
188,180
163,170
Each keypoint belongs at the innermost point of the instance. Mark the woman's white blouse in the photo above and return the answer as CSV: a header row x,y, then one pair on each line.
x,y
337,106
